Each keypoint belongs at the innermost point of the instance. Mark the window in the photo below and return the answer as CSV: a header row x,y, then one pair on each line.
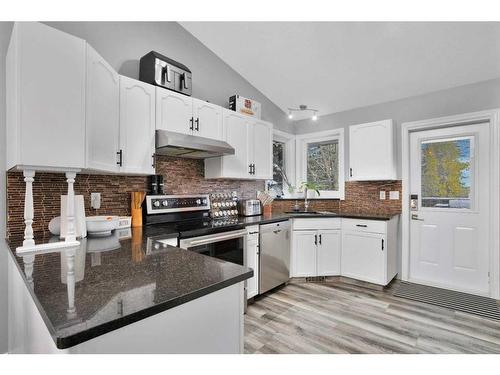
x,y
279,168
446,173
283,164
321,162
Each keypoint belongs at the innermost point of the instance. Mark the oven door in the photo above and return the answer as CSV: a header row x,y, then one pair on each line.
x,y
228,246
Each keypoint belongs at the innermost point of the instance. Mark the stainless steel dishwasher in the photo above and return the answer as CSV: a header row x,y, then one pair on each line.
x,y
274,255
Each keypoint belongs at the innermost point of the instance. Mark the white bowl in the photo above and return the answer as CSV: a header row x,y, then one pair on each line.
x,y
101,225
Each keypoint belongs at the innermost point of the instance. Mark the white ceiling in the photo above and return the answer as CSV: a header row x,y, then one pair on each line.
x,y
335,66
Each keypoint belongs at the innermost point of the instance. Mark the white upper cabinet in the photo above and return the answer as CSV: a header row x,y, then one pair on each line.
x,y
102,115
45,97
174,111
137,126
261,151
252,142
207,119
371,151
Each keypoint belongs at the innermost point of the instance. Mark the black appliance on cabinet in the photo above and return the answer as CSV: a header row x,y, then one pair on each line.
x,y
159,70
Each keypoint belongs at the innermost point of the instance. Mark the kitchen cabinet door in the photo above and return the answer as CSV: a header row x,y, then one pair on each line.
x,y
363,256
137,126
174,111
329,248
252,257
304,250
371,151
102,114
45,97
207,119
261,151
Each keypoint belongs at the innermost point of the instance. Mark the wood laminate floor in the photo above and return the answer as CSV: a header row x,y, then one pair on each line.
x,y
341,317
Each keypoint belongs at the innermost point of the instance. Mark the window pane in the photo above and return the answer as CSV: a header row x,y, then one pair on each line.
x,y
323,165
446,173
278,167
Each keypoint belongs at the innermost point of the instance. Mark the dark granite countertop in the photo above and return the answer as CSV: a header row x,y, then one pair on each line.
x,y
282,216
118,281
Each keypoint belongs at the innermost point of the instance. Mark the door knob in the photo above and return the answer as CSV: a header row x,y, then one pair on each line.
x,y
415,217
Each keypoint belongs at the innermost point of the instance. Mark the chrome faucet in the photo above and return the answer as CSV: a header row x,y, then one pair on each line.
x,y
306,203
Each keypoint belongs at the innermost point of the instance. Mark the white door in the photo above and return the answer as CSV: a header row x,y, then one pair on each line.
x,y
174,111
261,139
207,119
137,125
329,253
102,114
449,218
363,256
304,253
236,129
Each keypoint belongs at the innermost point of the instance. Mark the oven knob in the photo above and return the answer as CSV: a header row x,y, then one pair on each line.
x,y
204,201
198,201
156,203
164,203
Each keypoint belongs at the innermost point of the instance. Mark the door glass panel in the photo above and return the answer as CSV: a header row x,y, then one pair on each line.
x,y
446,173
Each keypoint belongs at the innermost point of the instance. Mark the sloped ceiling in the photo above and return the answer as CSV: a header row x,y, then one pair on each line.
x,y
336,66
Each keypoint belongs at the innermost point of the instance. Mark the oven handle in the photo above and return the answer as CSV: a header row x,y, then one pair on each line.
x,y
188,243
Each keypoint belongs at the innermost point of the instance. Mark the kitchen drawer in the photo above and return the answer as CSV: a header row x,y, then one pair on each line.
x,y
316,223
360,225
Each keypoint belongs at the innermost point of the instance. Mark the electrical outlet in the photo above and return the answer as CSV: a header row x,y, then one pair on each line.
x,y
95,200
382,195
394,195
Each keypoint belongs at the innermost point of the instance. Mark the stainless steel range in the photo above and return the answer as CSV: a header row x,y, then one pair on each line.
x,y
189,216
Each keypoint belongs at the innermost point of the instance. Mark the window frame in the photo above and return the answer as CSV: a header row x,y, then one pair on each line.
x,y
302,142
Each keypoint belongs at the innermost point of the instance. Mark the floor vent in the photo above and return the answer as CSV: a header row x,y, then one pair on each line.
x,y
468,303
316,279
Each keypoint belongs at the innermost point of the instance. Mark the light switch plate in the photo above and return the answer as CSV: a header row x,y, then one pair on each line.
x,y
382,194
95,200
394,195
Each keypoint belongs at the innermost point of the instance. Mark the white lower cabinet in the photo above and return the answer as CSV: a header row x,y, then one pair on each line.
x,y
316,252
252,259
329,249
369,250
360,249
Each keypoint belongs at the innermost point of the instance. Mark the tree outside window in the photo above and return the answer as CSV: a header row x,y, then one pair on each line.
x,y
323,164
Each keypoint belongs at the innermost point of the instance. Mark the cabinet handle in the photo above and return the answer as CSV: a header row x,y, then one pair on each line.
x,y
197,121
253,168
153,160
382,244
350,172
320,239
191,121
362,225
316,239
250,168
120,158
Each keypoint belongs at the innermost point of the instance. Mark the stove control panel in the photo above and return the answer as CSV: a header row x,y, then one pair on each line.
x,y
159,204
224,205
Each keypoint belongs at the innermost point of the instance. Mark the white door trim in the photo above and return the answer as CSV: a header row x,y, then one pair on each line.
x,y
493,117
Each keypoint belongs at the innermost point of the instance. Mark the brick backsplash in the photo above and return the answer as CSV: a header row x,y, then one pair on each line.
x,y
360,197
181,176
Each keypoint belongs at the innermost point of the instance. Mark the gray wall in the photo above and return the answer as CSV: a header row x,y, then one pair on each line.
x,y
462,99
5,30
123,43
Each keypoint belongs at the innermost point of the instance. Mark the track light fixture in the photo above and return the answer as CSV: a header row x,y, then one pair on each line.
x,y
303,108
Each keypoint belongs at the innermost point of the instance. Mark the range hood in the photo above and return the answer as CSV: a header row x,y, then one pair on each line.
x,y
190,146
